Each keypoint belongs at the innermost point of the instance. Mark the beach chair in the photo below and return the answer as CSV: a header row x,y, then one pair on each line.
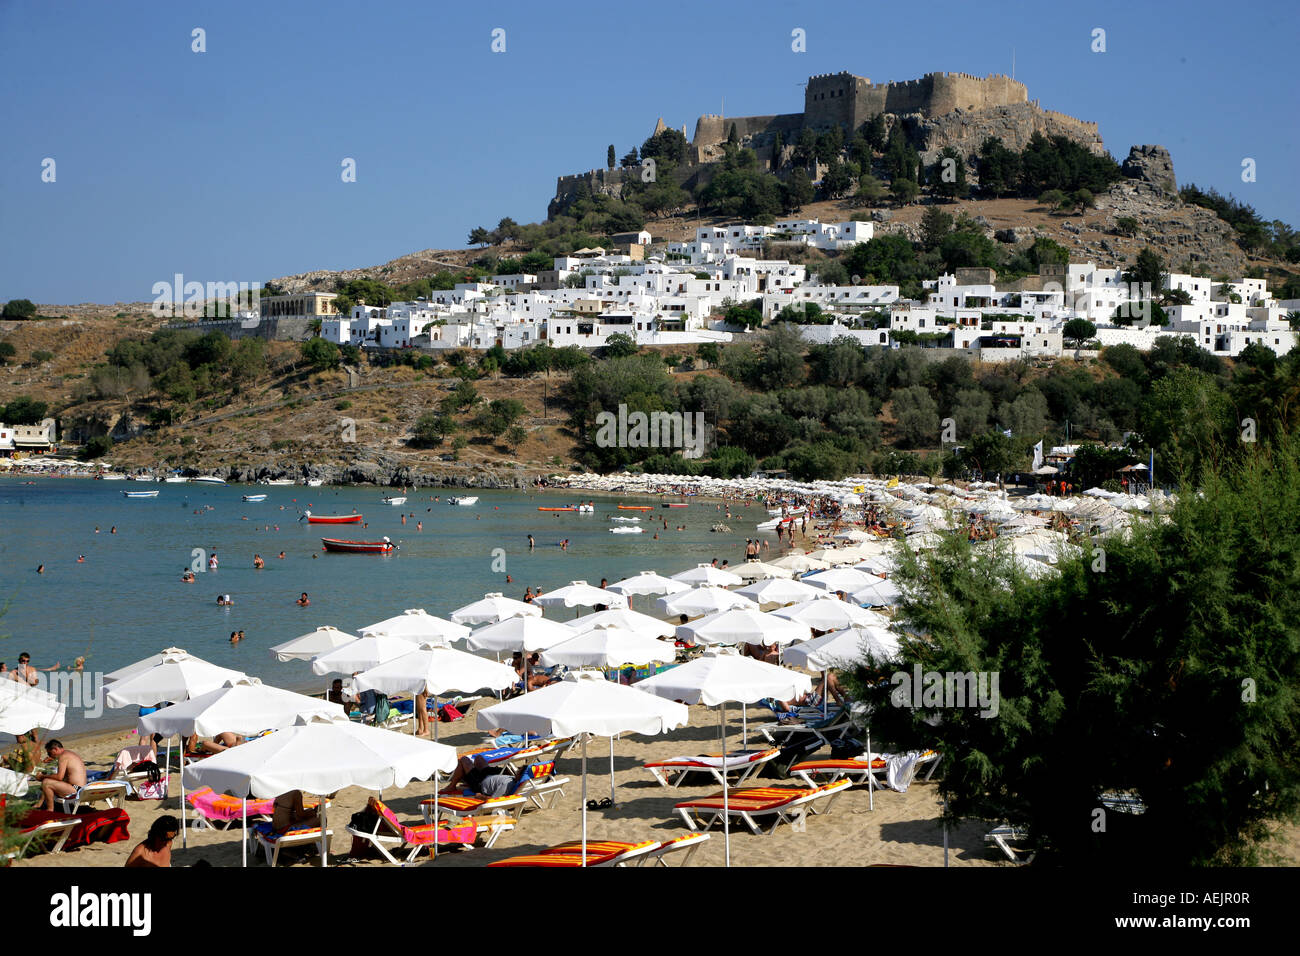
x,y
757,806
42,834
599,853
742,763
856,769
684,844
389,831
219,811
537,786
94,791
1004,836
823,729
272,843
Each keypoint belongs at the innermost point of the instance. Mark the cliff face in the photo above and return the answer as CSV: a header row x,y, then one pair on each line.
x,y
965,130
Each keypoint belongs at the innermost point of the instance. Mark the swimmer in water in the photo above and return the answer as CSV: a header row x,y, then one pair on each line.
x,y
302,601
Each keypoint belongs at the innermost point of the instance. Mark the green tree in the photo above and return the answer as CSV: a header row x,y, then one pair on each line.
x,y
1083,199
870,190
935,224
432,428
916,416
797,191
7,352
875,132
478,236
732,136
610,156
620,345
904,191
97,447
1078,331
1052,198
19,309
320,354
515,436
948,175
1147,272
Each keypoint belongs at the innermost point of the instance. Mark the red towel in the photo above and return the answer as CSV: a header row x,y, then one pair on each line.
x,y
97,826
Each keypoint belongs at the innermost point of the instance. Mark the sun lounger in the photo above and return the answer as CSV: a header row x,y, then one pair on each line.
x,y
1004,836
757,805
95,791
389,831
684,844
825,729
537,786
856,770
599,853
218,811
272,843
52,834
740,763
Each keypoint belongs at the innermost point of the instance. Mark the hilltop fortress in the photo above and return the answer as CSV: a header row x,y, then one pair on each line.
x,y
938,110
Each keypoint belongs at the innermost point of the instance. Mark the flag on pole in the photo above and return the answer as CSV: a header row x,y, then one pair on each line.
x,y
1151,468
1038,455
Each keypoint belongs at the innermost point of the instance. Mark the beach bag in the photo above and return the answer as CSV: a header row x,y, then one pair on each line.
x,y
447,713
383,710
148,767
364,820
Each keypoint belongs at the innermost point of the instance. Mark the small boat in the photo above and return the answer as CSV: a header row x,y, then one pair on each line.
x,y
140,494
463,502
623,518
278,482
175,480
570,508
254,497
208,480
315,482
636,508
395,501
358,547
112,477
586,510
622,530
675,504
330,519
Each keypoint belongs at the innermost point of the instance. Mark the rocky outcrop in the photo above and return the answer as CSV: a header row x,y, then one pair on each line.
x,y
1151,164
966,130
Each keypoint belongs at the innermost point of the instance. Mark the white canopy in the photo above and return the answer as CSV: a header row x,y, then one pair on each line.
x,y
828,614
362,654
840,579
608,647
24,708
705,600
719,680
178,677
643,624
879,593
779,591
580,594
494,607
647,582
800,562
244,707
708,574
757,570
436,670
153,660
418,625
743,625
845,648
592,707
320,641
321,757
519,634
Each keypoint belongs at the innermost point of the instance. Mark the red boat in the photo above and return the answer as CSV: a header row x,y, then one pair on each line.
x,y
331,519
358,547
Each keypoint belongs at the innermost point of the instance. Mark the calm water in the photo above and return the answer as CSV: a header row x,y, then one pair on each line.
x,y
126,601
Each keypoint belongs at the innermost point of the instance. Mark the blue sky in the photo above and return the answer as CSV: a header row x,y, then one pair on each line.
x,y
225,165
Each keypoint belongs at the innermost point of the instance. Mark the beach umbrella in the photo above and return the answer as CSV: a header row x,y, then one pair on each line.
x,y
880,564
835,556
599,708
715,681
492,608
24,708
609,646
801,563
525,634
839,579
709,575
436,670
321,757
879,593
362,654
779,591
828,614
418,625
320,641
245,707
646,583
176,677
845,648
580,594
855,534
625,618
743,626
130,670
707,600
758,570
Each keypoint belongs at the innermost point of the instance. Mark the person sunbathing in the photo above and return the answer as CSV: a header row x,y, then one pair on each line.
x,y
476,774
814,698
156,848
289,813
222,741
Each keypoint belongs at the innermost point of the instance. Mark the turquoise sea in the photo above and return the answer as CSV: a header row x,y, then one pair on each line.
x,y
126,600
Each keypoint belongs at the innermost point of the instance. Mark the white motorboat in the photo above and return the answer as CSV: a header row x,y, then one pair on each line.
x,y
208,480
112,477
276,482
622,530
175,480
140,494
621,518
395,501
315,482
254,497
463,502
